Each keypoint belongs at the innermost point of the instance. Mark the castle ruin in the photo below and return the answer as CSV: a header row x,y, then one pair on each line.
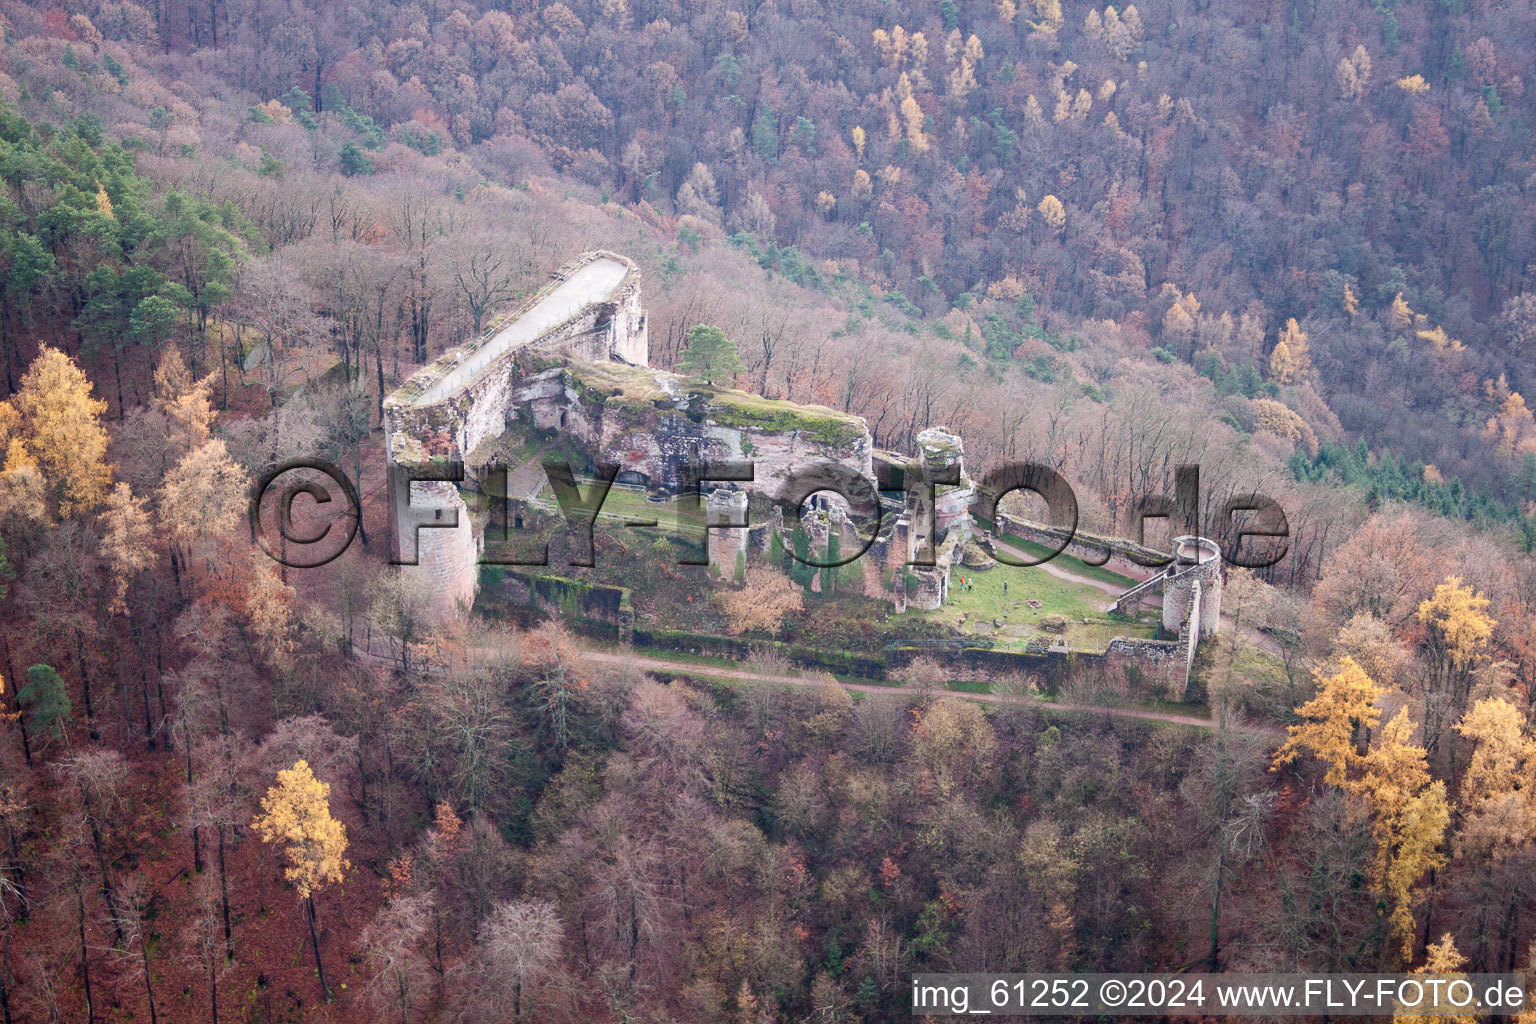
x,y
573,360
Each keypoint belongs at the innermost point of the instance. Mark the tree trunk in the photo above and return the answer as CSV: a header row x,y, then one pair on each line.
x,y
20,883
229,939
1214,961
106,877
138,646
149,985
213,987
634,937
117,371
9,343
314,941
5,979
357,475
165,713
85,959
362,782
437,948
197,839
85,682
21,719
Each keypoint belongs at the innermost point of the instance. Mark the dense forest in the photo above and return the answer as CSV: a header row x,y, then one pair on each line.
x,y
1289,242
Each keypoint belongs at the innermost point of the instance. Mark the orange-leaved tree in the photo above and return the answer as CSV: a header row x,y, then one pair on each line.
x,y
297,813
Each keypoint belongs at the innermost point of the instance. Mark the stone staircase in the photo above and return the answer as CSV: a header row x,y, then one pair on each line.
x,y
1133,595
1168,575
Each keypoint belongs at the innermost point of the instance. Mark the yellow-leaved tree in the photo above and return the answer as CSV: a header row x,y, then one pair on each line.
x,y
1291,360
22,494
1503,756
269,612
1459,628
912,117
1408,809
1498,806
1345,706
126,542
296,812
1048,13
953,745
58,425
1445,962
1279,419
1409,812
1374,646
1053,212
203,497
1122,31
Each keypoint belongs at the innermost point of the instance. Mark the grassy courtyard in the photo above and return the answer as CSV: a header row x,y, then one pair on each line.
x,y
1068,563
981,607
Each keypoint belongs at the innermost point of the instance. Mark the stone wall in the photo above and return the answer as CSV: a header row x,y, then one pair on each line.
x,y
572,361
727,546
1148,668
450,408
1193,592
454,404
1164,663
1121,554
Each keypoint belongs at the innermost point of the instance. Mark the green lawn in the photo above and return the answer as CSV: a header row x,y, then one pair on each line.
x,y
972,610
1076,566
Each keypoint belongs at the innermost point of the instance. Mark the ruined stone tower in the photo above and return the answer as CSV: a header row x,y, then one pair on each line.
x,y
1192,590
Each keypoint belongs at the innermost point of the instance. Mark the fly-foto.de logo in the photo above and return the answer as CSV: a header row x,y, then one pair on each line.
x,y
304,513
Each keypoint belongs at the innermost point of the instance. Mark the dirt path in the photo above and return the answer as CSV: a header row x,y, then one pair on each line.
x,y
363,646
663,665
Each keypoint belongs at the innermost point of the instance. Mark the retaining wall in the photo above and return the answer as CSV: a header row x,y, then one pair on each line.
x,y
573,599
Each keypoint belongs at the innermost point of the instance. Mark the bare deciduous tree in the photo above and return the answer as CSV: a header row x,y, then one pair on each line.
x,y
392,949
98,777
516,952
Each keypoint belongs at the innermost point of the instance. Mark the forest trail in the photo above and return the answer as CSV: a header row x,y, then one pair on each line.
x,y
664,665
